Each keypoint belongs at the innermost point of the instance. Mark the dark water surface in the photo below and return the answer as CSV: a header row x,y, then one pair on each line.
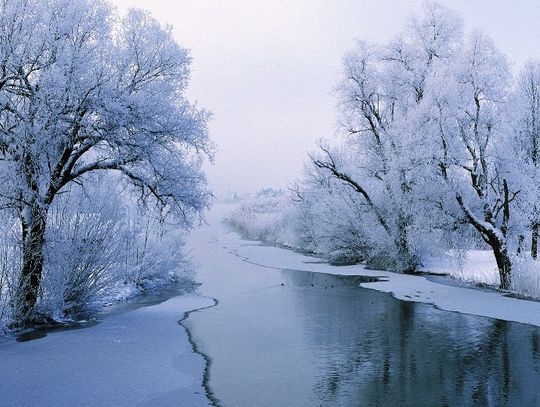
x,y
296,338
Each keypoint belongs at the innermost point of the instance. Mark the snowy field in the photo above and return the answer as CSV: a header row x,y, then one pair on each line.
x,y
137,358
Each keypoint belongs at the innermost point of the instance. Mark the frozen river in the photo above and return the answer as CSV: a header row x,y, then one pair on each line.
x,y
282,337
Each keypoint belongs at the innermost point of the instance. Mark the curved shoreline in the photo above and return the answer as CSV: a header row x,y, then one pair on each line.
x,y
405,287
140,357
195,349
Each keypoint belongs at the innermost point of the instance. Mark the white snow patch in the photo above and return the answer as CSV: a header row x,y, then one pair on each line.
x,y
142,357
476,266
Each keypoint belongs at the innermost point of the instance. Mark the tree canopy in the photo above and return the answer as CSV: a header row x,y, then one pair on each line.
x,y
85,90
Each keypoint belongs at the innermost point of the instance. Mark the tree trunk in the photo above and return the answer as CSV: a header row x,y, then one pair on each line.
x,y
500,248
534,240
521,241
493,239
33,233
407,262
504,264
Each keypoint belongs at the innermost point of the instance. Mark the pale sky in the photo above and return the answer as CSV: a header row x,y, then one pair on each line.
x,y
267,69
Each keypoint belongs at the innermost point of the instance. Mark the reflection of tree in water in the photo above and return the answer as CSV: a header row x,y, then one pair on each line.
x,y
378,351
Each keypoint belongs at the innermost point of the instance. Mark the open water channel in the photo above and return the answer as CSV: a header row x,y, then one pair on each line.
x,y
298,338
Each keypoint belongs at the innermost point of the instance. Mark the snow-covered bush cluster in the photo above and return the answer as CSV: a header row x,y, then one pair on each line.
x,y
266,216
276,217
440,151
100,248
94,125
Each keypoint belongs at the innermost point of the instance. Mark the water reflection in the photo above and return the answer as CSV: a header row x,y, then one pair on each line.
x,y
320,340
378,351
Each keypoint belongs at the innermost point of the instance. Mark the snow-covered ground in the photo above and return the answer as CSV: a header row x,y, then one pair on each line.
x,y
476,266
137,358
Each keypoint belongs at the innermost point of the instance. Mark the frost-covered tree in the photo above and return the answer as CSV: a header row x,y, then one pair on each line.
x,y
430,141
83,89
527,141
378,98
470,130
440,150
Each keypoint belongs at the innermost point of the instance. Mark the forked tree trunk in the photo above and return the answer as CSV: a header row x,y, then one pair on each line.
x,y
497,241
33,233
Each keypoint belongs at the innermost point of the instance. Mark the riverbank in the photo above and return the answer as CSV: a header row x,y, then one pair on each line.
x,y
474,301
138,358
274,310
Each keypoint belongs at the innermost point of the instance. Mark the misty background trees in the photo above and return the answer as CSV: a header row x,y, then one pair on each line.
x,y
439,152
94,128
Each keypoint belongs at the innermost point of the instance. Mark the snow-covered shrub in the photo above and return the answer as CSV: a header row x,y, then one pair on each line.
x,y
104,249
100,248
10,262
84,252
267,216
331,223
303,224
157,256
526,276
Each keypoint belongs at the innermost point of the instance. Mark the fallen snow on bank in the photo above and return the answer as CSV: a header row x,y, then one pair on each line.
x,y
137,358
404,287
477,266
